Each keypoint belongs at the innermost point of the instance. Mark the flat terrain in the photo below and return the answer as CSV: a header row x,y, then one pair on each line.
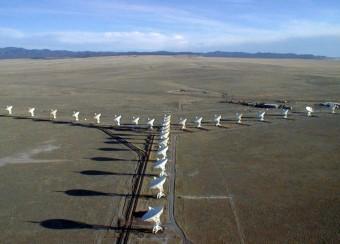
x,y
259,182
277,183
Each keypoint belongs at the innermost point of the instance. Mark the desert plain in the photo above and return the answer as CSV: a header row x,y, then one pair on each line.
x,y
272,181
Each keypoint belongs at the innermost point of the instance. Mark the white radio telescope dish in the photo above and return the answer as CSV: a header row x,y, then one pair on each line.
x,y
97,117
165,135
76,115
165,131
183,122
9,108
163,152
239,118
165,128
166,122
160,164
54,113
167,117
333,107
285,113
309,111
260,115
198,121
117,119
135,120
164,142
150,123
153,215
31,111
161,146
157,183
217,119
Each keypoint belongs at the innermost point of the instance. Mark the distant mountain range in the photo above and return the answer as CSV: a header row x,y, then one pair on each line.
x,y
14,52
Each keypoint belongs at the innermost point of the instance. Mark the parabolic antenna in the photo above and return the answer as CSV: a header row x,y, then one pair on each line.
x,y
157,183
76,115
153,215
150,123
117,119
165,135
166,122
160,164
217,119
309,111
31,111
198,121
183,122
166,117
161,146
9,108
54,113
163,152
135,120
260,115
333,107
165,131
239,118
165,127
164,142
97,117
285,113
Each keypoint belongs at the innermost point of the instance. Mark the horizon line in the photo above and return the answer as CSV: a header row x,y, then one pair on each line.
x,y
172,52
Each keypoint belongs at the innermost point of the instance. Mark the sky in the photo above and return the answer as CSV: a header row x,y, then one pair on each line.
x,y
282,26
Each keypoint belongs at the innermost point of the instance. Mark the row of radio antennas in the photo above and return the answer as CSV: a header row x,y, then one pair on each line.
x,y
153,214
260,115
182,121
75,115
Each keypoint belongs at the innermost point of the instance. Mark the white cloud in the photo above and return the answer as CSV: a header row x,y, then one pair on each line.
x,y
225,38
10,33
111,40
146,40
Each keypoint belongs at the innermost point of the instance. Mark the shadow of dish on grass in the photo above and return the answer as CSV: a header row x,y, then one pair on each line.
x,y
66,224
109,159
98,172
109,149
90,193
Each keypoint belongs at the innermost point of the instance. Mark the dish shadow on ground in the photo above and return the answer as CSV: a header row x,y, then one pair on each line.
x,y
66,224
90,193
98,172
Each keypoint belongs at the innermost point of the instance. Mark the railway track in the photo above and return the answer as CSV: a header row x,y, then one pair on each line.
x,y
137,182
140,152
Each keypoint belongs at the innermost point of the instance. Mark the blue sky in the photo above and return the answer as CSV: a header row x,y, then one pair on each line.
x,y
300,26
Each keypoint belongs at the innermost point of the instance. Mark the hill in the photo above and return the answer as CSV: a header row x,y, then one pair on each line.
x,y
14,52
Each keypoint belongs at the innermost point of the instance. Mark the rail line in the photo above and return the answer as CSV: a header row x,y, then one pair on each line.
x,y
140,152
143,157
137,187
